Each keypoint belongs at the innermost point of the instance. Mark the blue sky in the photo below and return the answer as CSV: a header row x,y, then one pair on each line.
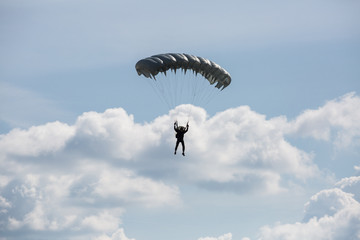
x,y
87,146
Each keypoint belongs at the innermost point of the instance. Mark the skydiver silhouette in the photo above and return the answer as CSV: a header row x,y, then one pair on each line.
x,y
180,131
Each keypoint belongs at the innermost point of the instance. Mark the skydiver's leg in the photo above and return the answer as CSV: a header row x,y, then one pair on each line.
x,y
183,147
176,146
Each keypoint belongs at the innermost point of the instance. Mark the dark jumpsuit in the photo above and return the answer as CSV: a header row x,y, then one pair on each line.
x,y
180,131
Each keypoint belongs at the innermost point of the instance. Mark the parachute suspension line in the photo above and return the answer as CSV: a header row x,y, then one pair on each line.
x,y
210,95
207,93
196,86
160,85
183,87
174,91
169,83
186,88
177,91
180,90
193,91
174,85
164,92
177,87
166,83
201,86
155,86
168,87
172,88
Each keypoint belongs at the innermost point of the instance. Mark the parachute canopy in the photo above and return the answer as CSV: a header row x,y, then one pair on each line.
x,y
161,63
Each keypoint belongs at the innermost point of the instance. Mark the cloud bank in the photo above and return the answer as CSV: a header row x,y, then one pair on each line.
x,y
227,236
79,179
336,121
330,214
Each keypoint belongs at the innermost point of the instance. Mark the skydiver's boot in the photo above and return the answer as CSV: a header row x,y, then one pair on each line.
x,y
175,153
183,154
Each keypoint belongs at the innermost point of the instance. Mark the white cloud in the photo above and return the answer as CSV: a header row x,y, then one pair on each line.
x,y
4,180
125,186
4,204
65,202
44,139
328,202
118,235
257,154
37,219
13,224
338,120
38,203
72,178
352,185
114,133
330,214
92,200
243,148
104,221
227,236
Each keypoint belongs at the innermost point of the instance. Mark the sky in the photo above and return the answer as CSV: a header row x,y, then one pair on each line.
x,y
86,145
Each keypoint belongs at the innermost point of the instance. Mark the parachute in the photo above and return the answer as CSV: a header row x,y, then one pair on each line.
x,y
175,88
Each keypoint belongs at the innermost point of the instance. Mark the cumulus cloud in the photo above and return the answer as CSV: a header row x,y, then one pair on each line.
x,y
227,236
113,134
352,185
338,120
330,214
118,235
104,221
57,177
71,202
4,205
257,154
51,180
125,186
328,202
68,177
241,150
37,140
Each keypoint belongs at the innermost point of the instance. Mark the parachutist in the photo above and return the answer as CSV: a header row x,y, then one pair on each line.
x,y
180,132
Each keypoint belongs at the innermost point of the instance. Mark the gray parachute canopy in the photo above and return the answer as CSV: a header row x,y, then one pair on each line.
x,y
151,66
